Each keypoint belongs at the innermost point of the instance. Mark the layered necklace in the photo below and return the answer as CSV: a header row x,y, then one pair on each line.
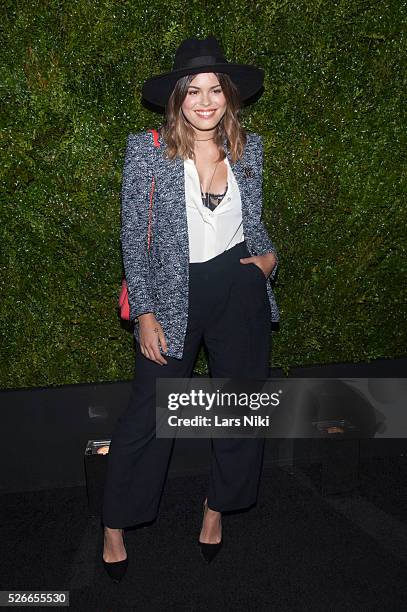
x,y
206,195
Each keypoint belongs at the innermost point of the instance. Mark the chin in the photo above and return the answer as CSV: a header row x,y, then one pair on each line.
x,y
204,125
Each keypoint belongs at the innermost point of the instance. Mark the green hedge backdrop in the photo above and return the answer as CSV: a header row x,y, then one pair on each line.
x,y
333,120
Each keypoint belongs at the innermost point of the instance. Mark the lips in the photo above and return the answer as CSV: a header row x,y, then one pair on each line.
x,y
205,114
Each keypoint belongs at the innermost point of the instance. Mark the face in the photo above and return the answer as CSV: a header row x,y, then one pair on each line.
x,y
204,104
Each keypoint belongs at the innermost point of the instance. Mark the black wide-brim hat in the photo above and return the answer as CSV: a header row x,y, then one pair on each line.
x,y
194,56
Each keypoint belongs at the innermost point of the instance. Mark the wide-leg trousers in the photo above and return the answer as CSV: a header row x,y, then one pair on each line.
x,y
229,311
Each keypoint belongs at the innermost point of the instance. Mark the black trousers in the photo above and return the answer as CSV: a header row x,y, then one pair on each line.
x,y
229,310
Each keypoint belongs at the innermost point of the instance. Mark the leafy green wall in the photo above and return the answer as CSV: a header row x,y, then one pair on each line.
x,y
334,126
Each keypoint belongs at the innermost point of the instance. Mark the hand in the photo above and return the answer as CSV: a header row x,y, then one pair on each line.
x,y
265,262
151,333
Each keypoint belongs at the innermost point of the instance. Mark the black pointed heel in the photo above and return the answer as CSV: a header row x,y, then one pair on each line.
x,y
116,569
209,551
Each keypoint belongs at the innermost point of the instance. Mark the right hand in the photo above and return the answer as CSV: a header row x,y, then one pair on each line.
x,y
149,338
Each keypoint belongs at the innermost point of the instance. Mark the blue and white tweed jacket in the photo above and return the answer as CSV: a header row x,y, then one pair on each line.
x,y
158,278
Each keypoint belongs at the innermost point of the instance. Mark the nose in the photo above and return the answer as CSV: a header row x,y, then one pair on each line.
x,y
205,99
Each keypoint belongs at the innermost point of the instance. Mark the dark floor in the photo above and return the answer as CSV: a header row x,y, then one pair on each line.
x,y
296,550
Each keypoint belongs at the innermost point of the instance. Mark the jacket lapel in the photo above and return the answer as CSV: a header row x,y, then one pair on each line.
x,y
172,193
240,171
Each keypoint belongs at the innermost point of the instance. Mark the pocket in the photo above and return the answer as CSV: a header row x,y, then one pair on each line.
x,y
259,270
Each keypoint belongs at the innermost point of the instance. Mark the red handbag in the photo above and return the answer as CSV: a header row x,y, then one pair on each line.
x,y
124,296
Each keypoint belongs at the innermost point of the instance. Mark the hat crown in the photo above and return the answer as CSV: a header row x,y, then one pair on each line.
x,y
193,52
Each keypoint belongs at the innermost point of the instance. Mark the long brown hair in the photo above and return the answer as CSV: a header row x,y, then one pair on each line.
x,y
179,135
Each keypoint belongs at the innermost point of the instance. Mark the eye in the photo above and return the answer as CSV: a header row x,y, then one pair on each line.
x,y
192,92
217,91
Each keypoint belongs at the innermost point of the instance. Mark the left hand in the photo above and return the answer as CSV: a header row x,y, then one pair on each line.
x,y
265,262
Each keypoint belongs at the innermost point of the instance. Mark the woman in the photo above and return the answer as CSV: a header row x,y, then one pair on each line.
x,y
204,277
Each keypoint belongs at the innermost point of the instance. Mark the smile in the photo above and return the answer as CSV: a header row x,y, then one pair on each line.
x,y
205,114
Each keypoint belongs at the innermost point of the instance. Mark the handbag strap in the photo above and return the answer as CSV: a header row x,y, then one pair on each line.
x,y
156,144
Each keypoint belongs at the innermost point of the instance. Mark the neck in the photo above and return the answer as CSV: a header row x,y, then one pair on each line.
x,y
204,135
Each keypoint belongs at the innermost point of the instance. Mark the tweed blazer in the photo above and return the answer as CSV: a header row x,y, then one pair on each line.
x,y
158,278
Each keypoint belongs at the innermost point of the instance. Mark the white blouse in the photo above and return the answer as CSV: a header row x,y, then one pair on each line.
x,y
211,232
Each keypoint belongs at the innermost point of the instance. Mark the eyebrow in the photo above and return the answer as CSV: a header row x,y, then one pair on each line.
x,y
195,87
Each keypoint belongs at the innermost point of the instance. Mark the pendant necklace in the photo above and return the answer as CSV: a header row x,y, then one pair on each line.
x,y
207,193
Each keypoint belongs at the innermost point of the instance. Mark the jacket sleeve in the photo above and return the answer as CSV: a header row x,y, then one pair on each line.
x,y
267,245
135,199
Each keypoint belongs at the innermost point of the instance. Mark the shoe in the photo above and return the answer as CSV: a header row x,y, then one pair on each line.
x,y
116,569
209,551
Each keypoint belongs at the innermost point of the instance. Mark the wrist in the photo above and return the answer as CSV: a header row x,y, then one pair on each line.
x,y
145,316
270,258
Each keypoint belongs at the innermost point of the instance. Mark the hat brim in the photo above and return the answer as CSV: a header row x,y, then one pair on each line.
x,y
248,80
